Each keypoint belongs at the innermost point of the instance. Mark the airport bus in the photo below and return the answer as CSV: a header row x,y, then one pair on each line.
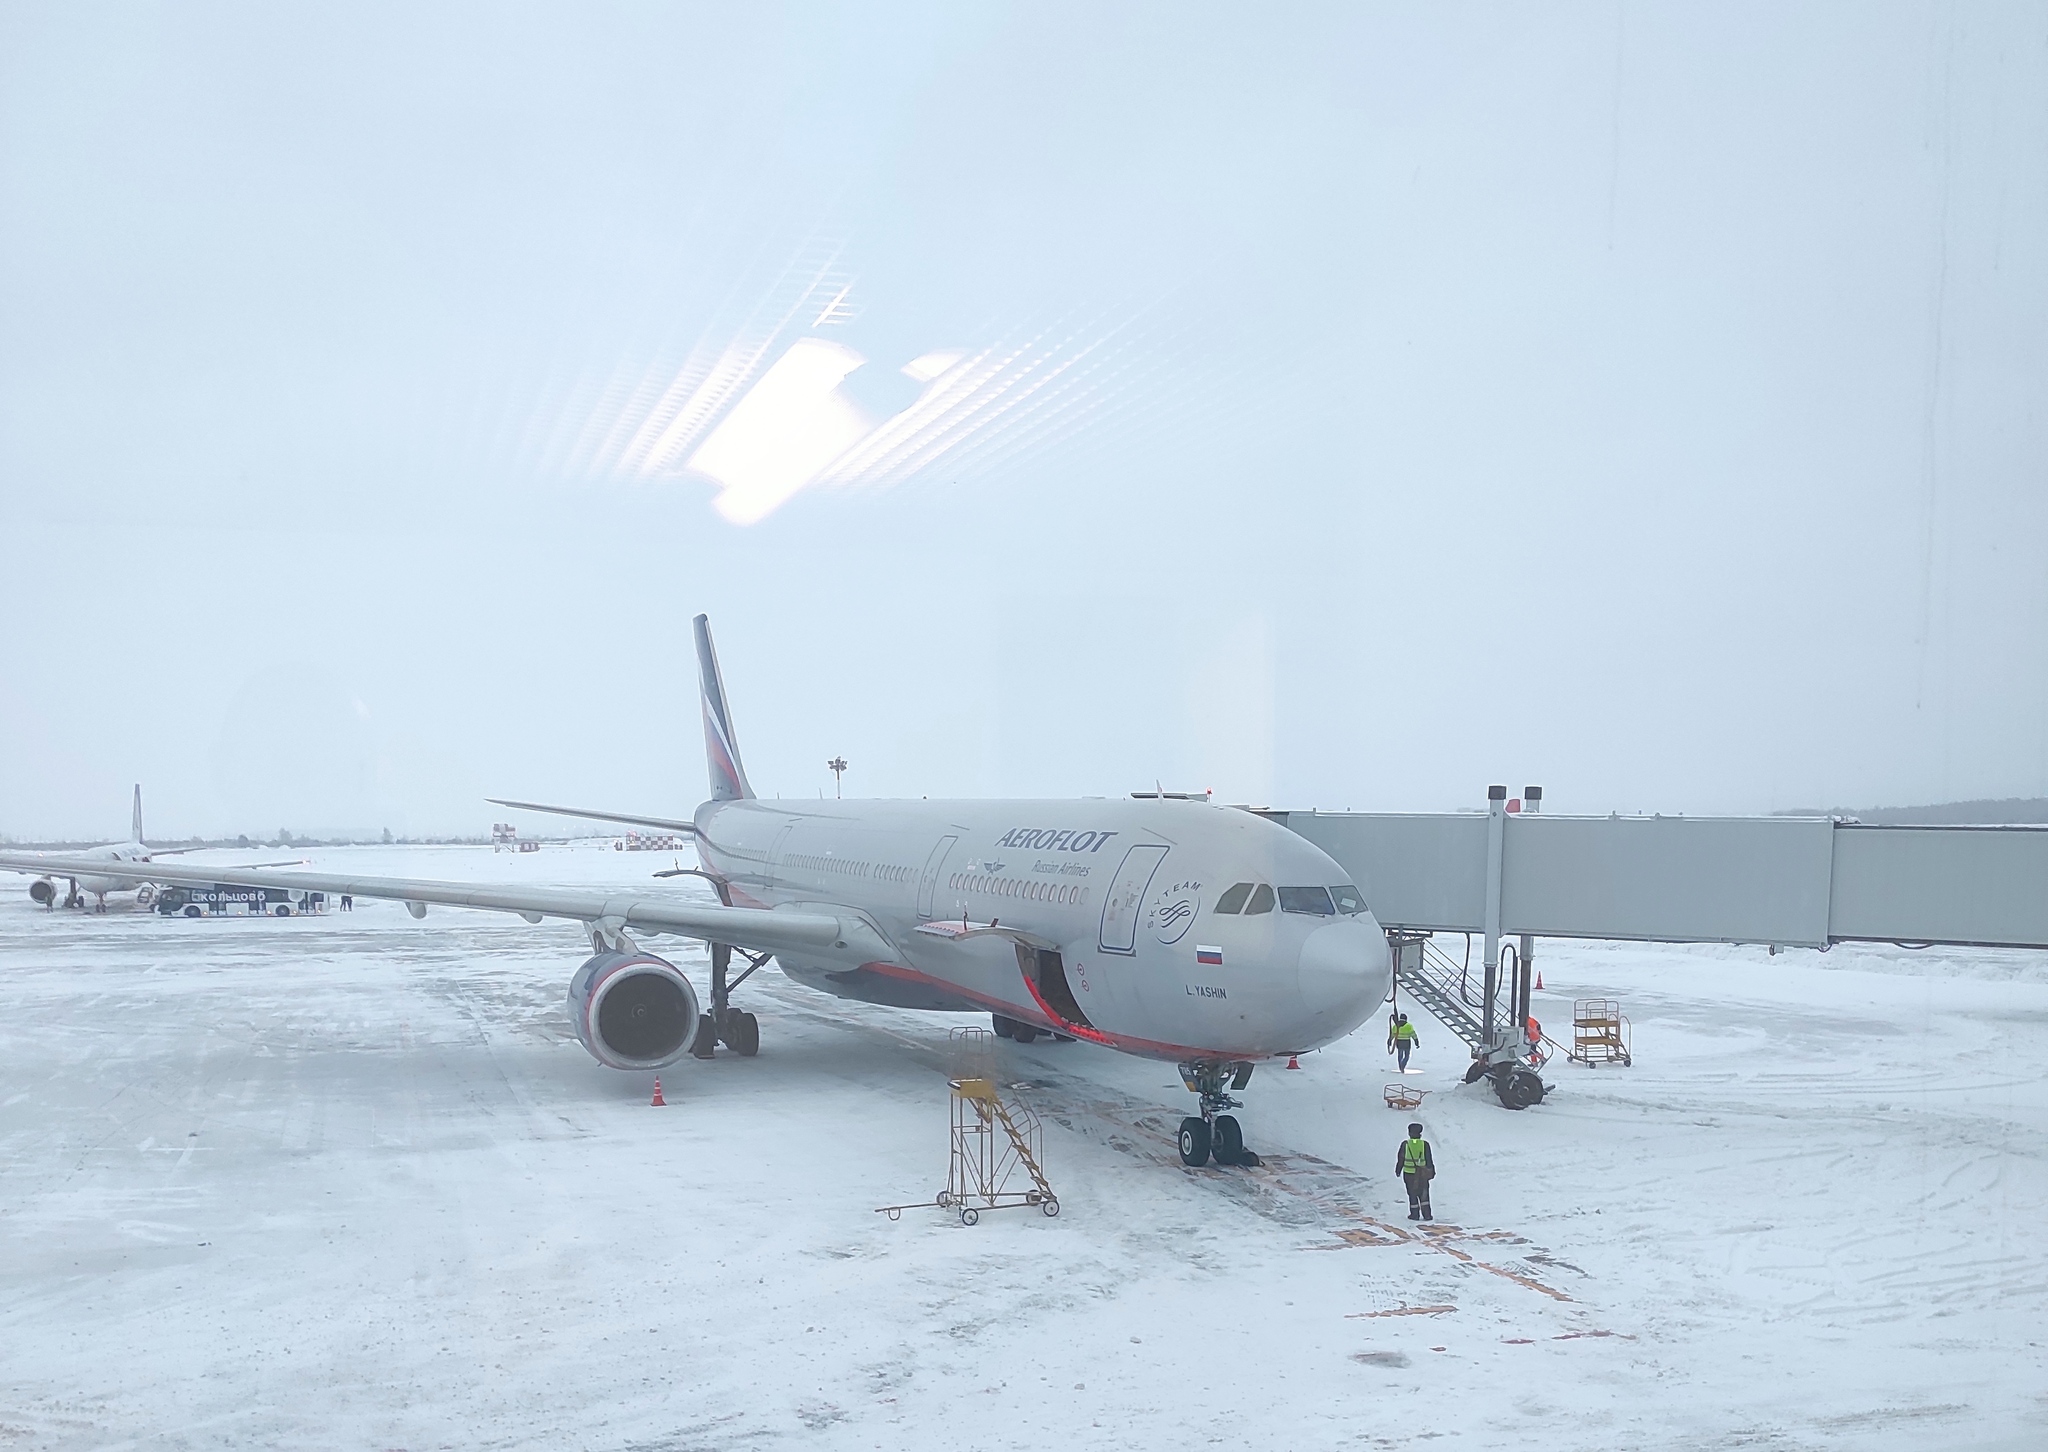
x,y
225,900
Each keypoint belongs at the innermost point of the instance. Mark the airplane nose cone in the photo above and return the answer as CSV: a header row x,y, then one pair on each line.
x,y
1344,970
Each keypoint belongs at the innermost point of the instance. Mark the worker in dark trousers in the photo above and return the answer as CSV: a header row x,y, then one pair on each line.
x,y
1417,1167
1401,1039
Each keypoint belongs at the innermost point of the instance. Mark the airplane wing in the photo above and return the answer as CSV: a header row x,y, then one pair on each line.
x,y
666,824
758,929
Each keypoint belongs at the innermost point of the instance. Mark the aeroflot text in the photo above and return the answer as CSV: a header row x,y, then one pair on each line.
x,y
1044,839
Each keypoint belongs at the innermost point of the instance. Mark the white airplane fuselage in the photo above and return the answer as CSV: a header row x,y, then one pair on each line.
x,y
99,887
1095,918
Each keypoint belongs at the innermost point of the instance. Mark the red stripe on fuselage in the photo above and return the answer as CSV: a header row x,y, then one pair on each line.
x,y
1041,1012
1127,1043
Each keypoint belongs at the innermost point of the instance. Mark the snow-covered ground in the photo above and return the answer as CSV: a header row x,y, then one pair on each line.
x,y
348,1182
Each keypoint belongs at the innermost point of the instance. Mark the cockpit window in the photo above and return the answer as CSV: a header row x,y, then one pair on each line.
x,y
1349,899
1314,901
1262,900
1233,898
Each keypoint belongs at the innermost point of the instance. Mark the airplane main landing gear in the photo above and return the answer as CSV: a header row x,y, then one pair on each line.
x,y
737,1029
1214,1135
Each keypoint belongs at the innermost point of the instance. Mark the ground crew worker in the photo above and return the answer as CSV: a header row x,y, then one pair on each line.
x,y
1417,1167
1401,1039
348,902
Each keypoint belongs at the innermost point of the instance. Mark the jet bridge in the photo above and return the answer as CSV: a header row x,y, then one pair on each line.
x,y
1512,872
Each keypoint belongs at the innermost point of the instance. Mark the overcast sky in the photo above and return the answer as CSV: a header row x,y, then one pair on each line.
x,y
1344,407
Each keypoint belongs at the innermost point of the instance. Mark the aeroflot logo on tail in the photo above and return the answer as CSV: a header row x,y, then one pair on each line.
x,y
1044,839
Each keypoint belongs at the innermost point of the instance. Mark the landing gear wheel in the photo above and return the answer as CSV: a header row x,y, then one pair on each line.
x,y
706,1042
743,1034
1023,1033
1004,1027
1194,1142
969,1215
1048,1207
1518,1088
1227,1140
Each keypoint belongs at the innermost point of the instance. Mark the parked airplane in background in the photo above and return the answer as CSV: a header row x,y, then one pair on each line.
x,y
1175,930
76,869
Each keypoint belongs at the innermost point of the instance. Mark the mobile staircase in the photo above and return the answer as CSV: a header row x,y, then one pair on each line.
x,y
1444,987
994,1141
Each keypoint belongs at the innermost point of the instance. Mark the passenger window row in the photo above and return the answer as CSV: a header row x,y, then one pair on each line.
x,y
1022,887
843,867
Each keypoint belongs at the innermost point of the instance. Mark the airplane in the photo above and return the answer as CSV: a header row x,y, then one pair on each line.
x,y
65,866
1176,930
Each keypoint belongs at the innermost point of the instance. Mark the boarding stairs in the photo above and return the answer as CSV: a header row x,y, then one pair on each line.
x,y
1023,1136
1431,979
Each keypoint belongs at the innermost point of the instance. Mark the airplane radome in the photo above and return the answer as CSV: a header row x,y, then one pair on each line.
x,y
1176,930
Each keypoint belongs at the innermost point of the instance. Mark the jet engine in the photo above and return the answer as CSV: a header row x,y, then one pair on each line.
x,y
633,1010
43,891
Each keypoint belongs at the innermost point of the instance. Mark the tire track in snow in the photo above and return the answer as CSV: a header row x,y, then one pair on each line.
x,y
1291,1188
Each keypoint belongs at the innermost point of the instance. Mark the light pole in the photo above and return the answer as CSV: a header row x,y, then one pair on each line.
x,y
838,765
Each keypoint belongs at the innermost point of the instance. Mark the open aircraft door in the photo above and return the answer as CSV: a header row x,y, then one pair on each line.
x,y
928,882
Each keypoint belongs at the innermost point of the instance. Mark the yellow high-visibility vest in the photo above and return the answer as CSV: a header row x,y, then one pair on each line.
x,y
1404,1030
1414,1155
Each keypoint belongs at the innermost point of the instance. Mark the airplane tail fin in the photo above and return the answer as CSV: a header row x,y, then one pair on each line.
x,y
722,752
135,827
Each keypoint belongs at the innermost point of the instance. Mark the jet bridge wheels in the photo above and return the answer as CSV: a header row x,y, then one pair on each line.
x,y
1518,1087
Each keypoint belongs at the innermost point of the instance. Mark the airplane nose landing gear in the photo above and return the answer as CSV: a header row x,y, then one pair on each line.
x,y
1214,1135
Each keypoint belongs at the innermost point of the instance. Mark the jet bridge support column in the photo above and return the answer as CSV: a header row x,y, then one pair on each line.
x,y
1525,958
1496,837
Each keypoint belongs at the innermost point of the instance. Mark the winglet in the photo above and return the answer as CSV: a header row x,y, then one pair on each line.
x,y
722,752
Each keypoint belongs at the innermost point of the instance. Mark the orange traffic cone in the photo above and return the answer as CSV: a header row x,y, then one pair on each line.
x,y
658,1101
1294,1061
1539,980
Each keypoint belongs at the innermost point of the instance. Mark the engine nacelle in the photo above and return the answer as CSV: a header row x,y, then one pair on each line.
x,y
633,1010
43,891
